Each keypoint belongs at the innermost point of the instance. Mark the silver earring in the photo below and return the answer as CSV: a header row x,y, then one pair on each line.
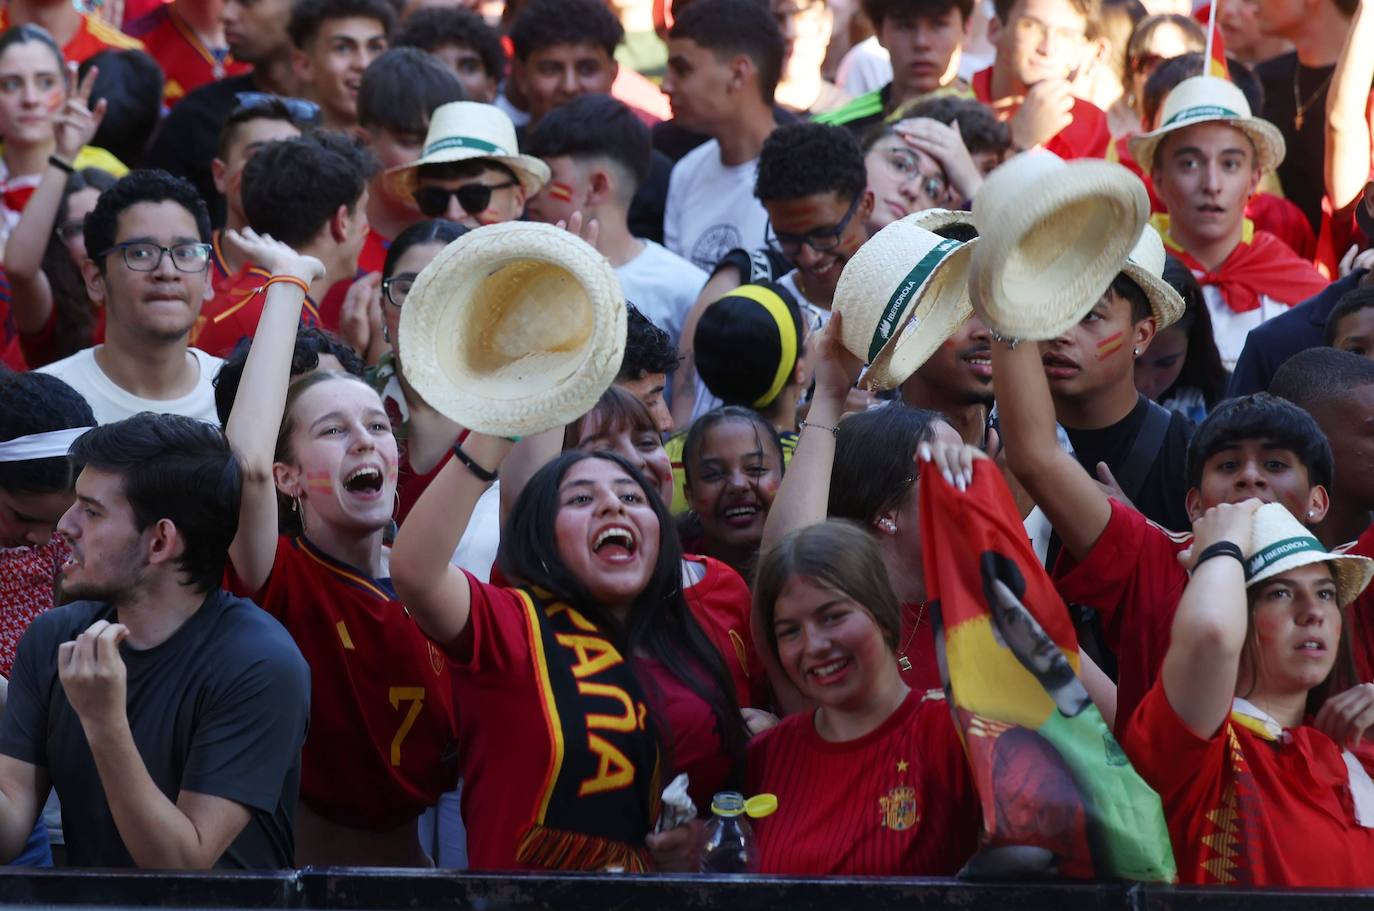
x,y
1136,352
386,333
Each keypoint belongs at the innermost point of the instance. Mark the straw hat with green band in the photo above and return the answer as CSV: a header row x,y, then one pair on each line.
x,y
1209,99
1279,543
466,130
902,295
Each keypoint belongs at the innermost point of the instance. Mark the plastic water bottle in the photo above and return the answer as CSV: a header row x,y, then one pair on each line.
x,y
729,840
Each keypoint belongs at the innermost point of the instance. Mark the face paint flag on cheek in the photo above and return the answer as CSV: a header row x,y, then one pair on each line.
x,y
1057,792
562,192
319,480
1110,345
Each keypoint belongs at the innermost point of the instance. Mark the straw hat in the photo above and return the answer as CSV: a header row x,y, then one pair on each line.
x,y
513,329
902,295
1209,99
464,130
1052,237
1145,266
1278,543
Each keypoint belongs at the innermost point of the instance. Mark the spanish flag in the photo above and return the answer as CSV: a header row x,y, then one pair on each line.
x,y
1059,796
1216,47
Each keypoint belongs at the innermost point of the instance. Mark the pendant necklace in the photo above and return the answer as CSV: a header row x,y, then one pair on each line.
x,y
903,662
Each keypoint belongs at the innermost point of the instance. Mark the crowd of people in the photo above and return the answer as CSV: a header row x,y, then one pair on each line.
x,y
268,600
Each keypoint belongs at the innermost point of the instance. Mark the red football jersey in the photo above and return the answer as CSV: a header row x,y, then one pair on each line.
x,y
382,741
1247,810
186,62
898,801
1087,136
92,36
1133,579
234,312
721,603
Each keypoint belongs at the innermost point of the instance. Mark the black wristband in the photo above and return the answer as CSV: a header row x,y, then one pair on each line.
x,y
61,165
477,470
1220,549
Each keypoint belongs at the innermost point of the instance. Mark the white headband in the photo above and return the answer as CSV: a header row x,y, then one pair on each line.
x,y
40,445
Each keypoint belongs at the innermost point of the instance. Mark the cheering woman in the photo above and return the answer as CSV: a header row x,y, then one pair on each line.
x,y
319,454
1264,778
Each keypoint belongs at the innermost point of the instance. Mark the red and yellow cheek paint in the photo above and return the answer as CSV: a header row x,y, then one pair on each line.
x,y
563,192
319,480
1110,345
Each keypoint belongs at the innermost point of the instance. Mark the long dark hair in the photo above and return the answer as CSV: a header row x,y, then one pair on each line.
x,y
660,624
75,318
1202,367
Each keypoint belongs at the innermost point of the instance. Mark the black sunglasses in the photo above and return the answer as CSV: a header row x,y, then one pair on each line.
x,y
473,197
303,112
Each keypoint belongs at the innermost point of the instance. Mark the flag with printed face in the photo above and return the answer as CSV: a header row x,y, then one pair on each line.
x,y
1059,796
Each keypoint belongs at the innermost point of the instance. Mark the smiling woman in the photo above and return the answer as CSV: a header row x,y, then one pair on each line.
x,y
320,464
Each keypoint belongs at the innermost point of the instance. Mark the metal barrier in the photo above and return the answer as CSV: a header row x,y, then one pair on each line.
x,y
384,890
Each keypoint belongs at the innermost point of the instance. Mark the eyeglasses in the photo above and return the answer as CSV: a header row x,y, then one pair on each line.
x,y
1031,27
303,112
145,256
396,289
473,197
907,166
69,231
822,241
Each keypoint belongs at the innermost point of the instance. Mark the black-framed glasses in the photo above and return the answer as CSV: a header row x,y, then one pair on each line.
x,y
303,112
396,289
146,256
473,197
825,240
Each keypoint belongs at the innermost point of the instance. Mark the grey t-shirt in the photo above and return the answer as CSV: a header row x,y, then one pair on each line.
x,y
220,708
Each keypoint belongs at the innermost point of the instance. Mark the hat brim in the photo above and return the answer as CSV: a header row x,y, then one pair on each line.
x,y
514,329
1165,303
1266,138
933,220
530,171
1352,573
936,312
1048,259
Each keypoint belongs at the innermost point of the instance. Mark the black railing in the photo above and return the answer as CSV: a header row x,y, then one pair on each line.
x,y
383,890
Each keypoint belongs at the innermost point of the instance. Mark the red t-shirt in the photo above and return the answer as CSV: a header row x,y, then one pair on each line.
x,y
186,62
898,801
721,603
1088,136
234,312
92,36
381,747
1133,579
1360,615
918,643
1247,810
27,577
373,255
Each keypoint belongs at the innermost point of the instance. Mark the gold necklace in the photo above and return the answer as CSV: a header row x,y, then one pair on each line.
x,y
903,662
1301,105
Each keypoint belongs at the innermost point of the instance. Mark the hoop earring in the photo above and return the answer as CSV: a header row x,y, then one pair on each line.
x,y
296,508
386,333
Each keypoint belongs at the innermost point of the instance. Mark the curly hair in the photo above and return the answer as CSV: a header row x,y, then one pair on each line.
x,y
804,159
150,185
439,26
648,349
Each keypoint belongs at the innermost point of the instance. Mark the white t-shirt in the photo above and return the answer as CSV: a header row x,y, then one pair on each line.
x,y
711,209
663,285
113,403
1230,328
866,67
477,548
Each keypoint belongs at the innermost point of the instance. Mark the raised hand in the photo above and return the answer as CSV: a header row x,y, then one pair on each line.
x,y
945,144
1346,716
836,369
93,674
273,255
1223,522
954,461
76,122
1047,109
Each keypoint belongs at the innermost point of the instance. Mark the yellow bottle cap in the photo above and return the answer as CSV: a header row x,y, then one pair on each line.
x,y
761,805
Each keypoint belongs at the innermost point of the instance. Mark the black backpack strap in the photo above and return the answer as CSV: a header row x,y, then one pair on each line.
x,y
1146,448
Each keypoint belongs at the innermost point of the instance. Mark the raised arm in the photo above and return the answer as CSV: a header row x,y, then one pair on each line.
x,y
803,498
1347,130
1208,634
1070,498
257,414
435,592
73,127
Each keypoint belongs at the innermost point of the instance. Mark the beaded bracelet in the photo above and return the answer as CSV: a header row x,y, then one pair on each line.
x,y
835,431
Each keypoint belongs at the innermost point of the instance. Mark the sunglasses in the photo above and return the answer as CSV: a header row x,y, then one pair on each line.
x,y
473,197
304,113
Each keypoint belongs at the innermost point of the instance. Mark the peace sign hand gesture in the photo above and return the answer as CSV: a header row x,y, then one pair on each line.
x,y
76,123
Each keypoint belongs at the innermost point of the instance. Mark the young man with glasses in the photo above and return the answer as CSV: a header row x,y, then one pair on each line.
x,y
310,193
471,171
148,239
1041,47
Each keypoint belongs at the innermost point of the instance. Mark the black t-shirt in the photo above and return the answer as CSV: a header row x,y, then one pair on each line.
x,y
1162,493
220,708
185,142
1302,172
